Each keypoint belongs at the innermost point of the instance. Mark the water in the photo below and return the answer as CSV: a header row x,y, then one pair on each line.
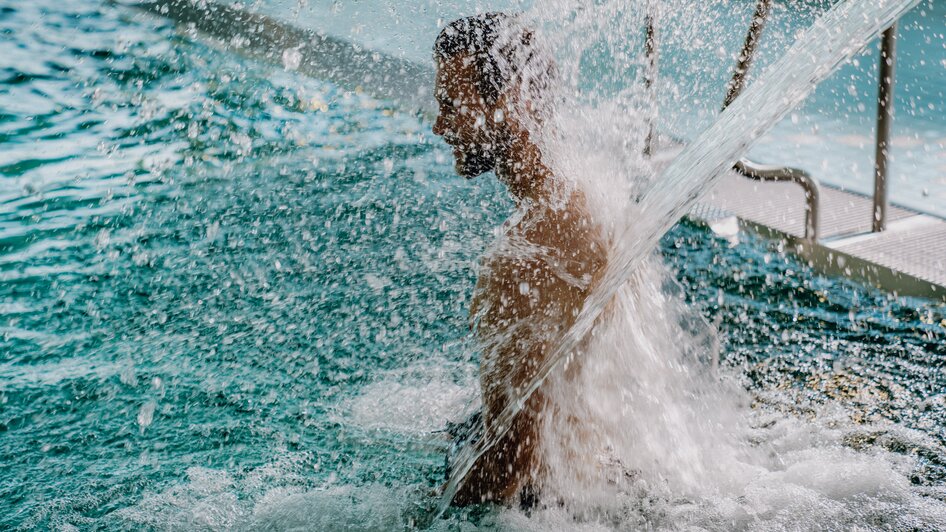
x,y
833,38
256,321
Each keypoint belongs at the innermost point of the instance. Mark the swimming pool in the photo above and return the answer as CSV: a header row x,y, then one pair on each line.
x,y
234,297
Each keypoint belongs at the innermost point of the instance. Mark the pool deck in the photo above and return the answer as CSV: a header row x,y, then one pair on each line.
x,y
907,259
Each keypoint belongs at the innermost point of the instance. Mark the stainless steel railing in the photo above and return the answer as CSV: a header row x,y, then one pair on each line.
x,y
762,172
770,173
746,167
809,183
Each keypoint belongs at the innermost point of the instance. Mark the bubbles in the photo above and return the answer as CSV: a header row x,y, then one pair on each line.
x,y
413,406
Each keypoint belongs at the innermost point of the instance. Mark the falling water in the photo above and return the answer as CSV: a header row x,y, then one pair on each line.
x,y
836,36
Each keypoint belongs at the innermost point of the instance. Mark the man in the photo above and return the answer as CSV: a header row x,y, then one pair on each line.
x,y
491,90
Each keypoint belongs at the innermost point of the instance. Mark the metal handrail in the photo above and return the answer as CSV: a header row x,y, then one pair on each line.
x,y
744,166
650,50
885,85
761,172
744,61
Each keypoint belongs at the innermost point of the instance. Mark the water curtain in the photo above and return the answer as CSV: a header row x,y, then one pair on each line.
x,y
833,38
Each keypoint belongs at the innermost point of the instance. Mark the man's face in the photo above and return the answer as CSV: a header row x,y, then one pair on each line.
x,y
464,120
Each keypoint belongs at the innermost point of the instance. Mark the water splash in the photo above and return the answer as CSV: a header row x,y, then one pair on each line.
x,y
837,35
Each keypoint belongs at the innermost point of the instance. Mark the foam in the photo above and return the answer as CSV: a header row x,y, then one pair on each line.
x,y
207,500
397,403
790,474
336,508
673,444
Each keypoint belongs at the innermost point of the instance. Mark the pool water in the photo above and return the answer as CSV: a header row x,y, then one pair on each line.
x,y
234,297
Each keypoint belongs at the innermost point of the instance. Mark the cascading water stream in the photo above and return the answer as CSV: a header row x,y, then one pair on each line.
x,y
832,39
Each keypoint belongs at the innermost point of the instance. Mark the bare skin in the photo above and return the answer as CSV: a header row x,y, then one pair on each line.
x,y
530,291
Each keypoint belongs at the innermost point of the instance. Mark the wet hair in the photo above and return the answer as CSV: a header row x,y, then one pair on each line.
x,y
499,49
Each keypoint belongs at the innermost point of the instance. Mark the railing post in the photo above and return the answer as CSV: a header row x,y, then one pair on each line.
x,y
748,52
888,63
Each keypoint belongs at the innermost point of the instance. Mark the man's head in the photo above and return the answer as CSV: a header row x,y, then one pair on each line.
x,y
479,61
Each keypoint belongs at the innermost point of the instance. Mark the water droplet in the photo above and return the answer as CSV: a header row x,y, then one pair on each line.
x,y
146,415
213,230
102,239
291,58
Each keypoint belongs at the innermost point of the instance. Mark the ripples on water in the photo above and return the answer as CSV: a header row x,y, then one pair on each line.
x,y
225,286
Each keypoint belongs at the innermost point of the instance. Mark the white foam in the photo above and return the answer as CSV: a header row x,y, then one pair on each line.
x,y
336,508
796,474
419,400
207,500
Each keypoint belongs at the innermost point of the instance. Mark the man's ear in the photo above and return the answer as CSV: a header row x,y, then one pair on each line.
x,y
514,106
504,110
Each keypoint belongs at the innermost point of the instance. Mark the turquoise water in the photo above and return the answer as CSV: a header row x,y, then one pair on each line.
x,y
227,289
